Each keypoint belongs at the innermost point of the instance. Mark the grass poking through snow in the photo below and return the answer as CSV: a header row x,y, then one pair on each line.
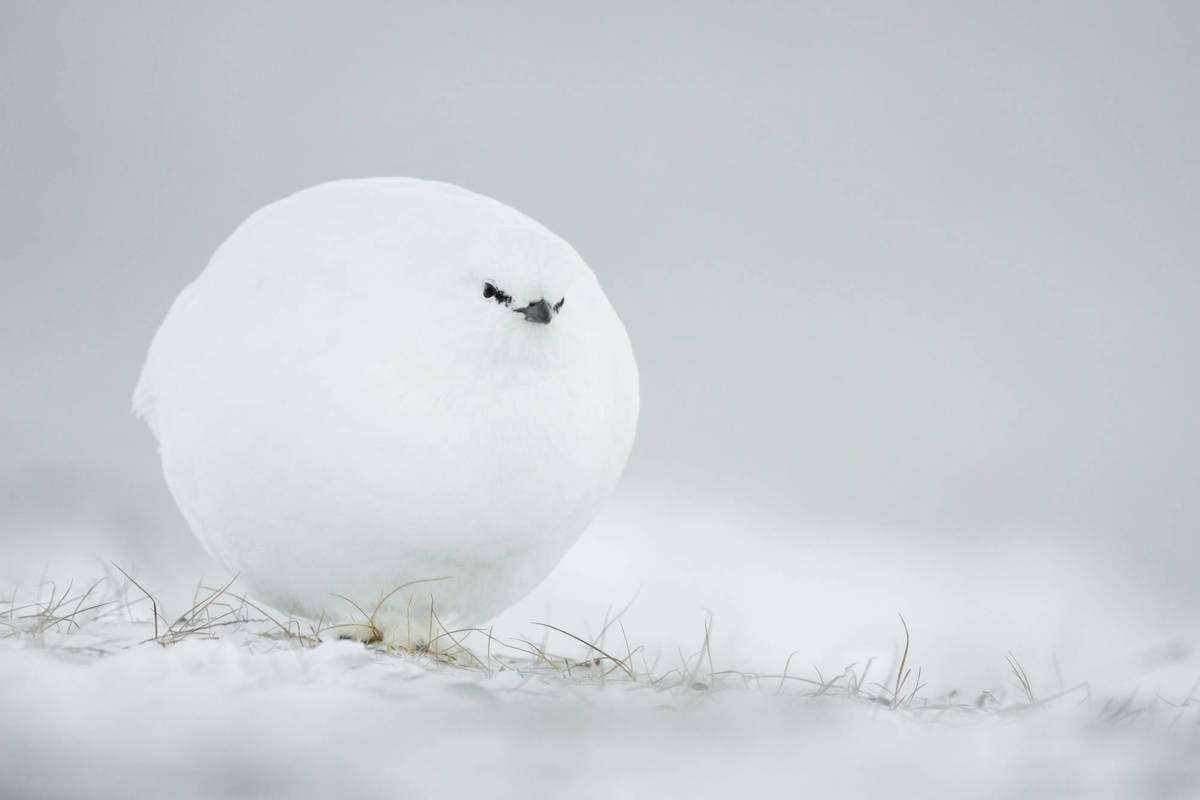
x,y
111,613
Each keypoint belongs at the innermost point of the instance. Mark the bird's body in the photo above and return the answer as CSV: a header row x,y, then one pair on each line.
x,y
382,381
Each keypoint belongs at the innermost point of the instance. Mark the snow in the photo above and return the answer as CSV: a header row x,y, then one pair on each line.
x,y
215,718
246,714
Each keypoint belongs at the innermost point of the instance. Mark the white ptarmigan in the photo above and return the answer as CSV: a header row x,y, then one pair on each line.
x,y
390,380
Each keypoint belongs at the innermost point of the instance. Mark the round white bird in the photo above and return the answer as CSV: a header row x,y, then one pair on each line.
x,y
394,394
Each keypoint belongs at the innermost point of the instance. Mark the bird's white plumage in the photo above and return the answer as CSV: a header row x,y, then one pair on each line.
x,y
340,410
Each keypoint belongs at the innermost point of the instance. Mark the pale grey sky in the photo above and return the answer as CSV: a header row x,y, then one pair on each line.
x,y
930,266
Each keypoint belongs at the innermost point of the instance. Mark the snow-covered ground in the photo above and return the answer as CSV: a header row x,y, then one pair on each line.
x,y
1111,709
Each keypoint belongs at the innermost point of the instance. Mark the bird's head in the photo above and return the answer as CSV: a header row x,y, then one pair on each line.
x,y
525,274
431,279
540,310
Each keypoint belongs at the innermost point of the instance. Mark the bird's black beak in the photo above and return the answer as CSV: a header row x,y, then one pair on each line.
x,y
537,312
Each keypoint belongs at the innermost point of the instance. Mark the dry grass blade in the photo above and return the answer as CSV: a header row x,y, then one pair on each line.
x,y
706,649
450,634
537,652
783,678
374,633
220,610
42,617
624,667
150,597
201,606
307,640
917,686
901,671
1022,678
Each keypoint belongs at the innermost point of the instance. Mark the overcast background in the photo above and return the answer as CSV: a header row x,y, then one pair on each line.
x,y
935,269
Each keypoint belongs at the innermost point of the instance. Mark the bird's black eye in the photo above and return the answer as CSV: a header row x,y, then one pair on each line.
x,y
491,291
558,306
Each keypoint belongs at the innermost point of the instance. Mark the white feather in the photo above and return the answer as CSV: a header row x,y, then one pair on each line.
x,y
340,410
